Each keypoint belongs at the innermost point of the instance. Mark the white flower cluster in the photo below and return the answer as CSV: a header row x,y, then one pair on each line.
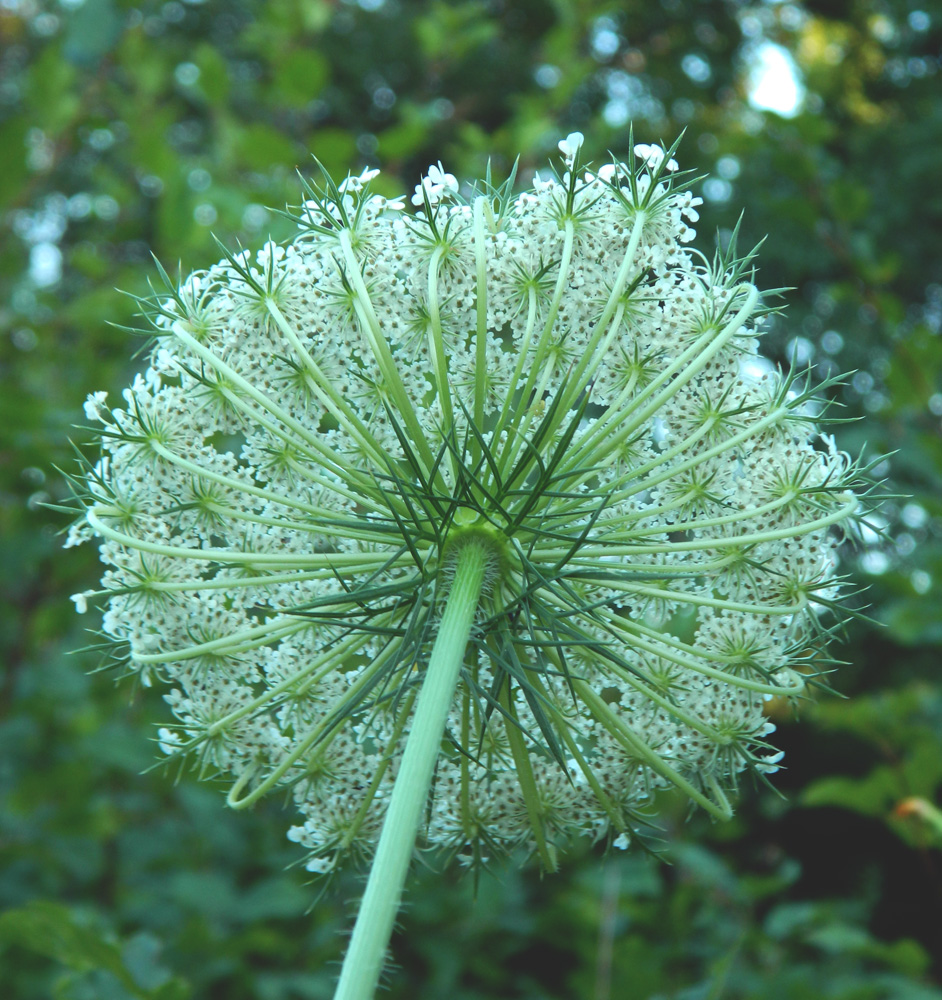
x,y
556,373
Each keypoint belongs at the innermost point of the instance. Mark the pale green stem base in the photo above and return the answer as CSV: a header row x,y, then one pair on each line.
x,y
380,904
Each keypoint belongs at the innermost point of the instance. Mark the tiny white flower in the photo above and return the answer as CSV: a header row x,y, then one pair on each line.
x,y
168,740
576,773
438,185
77,534
769,763
95,406
570,146
653,156
320,865
356,184
438,176
608,172
81,601
165,362
378,202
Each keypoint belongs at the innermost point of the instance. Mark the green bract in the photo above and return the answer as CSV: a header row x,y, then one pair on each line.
x,y
552,380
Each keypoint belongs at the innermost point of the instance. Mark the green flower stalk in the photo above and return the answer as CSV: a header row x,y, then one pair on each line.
x,y
472,526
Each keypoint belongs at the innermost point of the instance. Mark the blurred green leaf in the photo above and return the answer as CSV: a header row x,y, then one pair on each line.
x,y
214,73
59,933
300,75
873,795
261,147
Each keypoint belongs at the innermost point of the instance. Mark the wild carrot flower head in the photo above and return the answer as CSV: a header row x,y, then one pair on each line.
x,y
555,377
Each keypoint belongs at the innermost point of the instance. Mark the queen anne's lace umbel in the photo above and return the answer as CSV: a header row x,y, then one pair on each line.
x,y
554,375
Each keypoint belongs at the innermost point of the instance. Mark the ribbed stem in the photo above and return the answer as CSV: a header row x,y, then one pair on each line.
x,y
364,959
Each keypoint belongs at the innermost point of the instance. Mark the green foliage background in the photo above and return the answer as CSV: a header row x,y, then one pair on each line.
x,y
127,128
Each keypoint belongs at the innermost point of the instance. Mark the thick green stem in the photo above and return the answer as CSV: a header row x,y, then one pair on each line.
x,y
364,959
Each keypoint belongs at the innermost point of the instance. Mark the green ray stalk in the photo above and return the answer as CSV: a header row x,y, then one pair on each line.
x,y
380,903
